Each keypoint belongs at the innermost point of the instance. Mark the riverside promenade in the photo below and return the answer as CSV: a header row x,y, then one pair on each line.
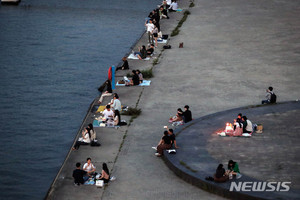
x,y
233,50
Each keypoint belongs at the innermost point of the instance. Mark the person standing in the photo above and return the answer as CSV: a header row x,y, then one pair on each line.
x,y
150,27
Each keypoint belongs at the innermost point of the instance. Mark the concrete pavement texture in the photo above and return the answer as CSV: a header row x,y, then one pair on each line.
x,y
233,50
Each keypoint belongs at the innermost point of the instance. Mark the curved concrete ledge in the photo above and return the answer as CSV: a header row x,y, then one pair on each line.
x,y
193,163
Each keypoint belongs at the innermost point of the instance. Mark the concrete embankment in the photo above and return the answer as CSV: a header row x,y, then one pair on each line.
x,y
232,51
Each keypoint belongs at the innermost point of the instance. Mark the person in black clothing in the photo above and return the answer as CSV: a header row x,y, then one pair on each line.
x,y
164,143
172,138
78,175
238,120
220,175
124,65
135,78
108,91
150,50
187,114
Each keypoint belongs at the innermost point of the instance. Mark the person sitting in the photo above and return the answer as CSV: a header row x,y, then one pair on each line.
x,y
84,140
173,7
164,10
233,169
107,113
135,78
79,175
247,125
172,138
142,53
89,167
117,119
236,130
178,117
104,173
108,91
115,102
239,118
150,50
124,66
187,114
139,73
270,95
92,132
220,175
164,143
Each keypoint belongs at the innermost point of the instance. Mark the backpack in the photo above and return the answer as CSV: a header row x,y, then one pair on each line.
x,y
273,97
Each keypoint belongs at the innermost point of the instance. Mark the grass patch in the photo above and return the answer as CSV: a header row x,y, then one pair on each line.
x,y
147,73
186,166
135,112
155,61
176,30
192,4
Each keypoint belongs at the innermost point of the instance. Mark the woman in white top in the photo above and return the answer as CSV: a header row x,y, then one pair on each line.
x,y
89,167
174,6
84,140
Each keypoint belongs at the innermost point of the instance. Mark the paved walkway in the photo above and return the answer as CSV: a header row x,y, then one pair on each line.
x,y
268,156
232,51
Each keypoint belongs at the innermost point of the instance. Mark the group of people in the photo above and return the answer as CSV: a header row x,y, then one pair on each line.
x,y
167,141
142,52
89,171
181,116
223,175
241,125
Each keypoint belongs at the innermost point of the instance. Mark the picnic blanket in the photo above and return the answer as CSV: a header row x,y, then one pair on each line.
x,y
101,109
179,10
133,57
97,124
145,83
162,41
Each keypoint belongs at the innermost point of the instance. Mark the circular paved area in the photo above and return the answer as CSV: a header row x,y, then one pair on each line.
x,y
270,156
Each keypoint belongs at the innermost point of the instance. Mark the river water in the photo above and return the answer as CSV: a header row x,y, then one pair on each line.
x,y
53,56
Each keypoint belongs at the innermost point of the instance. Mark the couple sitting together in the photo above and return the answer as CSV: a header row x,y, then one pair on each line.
x,y
88,136
222,176
166,142
181,117
111,117
137,78
143,52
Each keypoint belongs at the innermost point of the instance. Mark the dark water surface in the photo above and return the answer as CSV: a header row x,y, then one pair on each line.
x,y
53,55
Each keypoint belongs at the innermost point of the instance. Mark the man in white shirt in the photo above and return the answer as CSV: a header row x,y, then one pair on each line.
x,y
108,113
116,103
150,28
